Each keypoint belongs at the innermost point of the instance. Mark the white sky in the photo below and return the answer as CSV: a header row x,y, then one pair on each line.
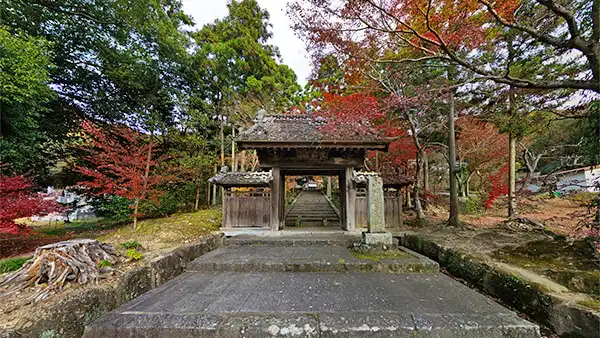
x,y
290,46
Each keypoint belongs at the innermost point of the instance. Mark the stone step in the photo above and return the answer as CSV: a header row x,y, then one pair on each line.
x,y
314,215
271,258
328,240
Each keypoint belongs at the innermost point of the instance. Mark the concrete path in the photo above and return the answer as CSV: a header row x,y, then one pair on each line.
x,y
212,299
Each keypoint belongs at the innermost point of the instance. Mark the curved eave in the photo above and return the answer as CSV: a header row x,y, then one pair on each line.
x,y
356,144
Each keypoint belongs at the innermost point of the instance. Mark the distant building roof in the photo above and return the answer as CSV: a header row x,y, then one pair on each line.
x,y
391,179
590,168
307,131
242,179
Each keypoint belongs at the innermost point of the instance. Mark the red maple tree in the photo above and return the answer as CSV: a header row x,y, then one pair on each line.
x,y
350,116
18,200
480,145
122,162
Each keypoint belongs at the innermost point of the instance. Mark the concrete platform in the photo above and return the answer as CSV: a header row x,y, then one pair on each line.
x,y
264,299
246,304
314,258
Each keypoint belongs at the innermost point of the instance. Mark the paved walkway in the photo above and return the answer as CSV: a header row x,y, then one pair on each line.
x,y
243,291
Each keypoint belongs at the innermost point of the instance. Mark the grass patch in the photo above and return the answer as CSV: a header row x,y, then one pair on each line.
x,y
168,232
80,228
104,263
378,256
592,304
12,264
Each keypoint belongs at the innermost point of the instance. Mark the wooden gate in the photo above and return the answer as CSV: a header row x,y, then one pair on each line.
x,y
242,209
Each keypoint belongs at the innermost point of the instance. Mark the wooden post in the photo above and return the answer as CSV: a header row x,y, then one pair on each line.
x,y
233,162
349,198
329,186
243,161
343,200
282,201
275,198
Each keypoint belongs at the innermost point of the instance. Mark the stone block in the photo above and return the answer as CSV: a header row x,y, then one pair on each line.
x,y
135,282
377,238
375,205
284,325
371,325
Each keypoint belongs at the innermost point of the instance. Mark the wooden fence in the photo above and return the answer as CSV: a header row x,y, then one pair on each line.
x,y
393,217
246,209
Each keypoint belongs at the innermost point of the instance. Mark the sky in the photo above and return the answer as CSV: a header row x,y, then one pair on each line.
x,y
290,46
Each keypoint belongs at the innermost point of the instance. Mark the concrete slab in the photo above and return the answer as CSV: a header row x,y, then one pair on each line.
x,y
246,291
281,258
242,304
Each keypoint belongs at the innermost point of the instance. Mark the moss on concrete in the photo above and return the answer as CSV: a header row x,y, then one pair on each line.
x,y
513,290
378,256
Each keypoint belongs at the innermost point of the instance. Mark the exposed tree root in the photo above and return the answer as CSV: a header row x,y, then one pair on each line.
x,y
56,264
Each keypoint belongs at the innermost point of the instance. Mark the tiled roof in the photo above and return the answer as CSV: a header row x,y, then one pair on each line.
x,y
304,128
242,179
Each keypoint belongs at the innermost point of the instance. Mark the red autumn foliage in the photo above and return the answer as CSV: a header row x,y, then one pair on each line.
x,y
122,162
18,200
358,116
480,143
350,116
427,27
498,186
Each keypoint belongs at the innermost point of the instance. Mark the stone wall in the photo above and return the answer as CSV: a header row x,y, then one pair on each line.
x,y
564,318
68,316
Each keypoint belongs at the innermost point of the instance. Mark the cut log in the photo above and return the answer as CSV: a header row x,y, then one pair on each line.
x,y
54,265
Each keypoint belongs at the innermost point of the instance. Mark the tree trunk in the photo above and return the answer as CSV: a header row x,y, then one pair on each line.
x,y
512,154
197,196
145,180
420,153
222,153
408,199
329,186
135,213
243,161
420,214
233,163
214,190
425,172
453,218
222,135
208,189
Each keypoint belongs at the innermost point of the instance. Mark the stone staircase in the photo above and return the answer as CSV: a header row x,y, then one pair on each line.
x,y
311,209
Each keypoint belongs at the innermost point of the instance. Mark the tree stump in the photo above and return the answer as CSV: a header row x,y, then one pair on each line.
x,y
56,264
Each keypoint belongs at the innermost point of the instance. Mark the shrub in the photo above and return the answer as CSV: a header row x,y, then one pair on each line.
x,y
471,205
12,264
113,206
583,198
134,254
131,245
174,199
